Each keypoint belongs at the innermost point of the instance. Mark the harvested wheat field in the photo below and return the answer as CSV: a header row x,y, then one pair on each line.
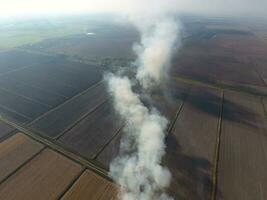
x,y
39,178
15,151
91,186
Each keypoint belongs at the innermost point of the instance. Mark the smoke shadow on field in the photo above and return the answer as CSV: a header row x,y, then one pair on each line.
x,y
210,103
239,114
190,174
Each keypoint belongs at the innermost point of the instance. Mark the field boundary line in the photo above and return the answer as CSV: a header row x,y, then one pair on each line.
x,y
173,121
264,108
25,97
65,102
54,145
71,184
8,135
214,171
254,67
107,143
13,111
253,90
22,164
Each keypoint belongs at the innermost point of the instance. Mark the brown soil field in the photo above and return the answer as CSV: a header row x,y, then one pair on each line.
x,y
63,117
191,145
5,129
217,69
45,177
216,144
91,134
93,187
244,45
242,160
217,63
15,151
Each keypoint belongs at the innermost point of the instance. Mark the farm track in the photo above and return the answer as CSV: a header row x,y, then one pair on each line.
x,y
170,128
246,89
214,171
243,139
104,146
90,164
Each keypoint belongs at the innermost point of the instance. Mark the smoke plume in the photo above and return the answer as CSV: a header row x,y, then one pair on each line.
x,y
138,168
154,51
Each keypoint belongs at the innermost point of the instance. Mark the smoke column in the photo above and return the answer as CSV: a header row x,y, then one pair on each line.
x,y
138,169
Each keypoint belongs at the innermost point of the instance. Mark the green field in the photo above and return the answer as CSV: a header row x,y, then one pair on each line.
x,y
17,33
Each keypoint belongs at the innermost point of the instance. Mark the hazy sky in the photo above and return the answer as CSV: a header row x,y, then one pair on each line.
x,y
233,7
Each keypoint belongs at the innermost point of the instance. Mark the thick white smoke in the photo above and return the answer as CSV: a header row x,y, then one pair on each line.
x,y
138,168
159,34
139,171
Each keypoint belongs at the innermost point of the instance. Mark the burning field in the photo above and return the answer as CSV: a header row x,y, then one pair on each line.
x,y
162,107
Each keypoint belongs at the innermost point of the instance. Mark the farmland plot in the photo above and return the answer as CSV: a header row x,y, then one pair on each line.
x,y
31,92
21,105
63,117
110,151
44,82
39,178
90,135
242,161
60,76
217,69
14,60
77,80
191,145
93,187
5,129
167,100
14,151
